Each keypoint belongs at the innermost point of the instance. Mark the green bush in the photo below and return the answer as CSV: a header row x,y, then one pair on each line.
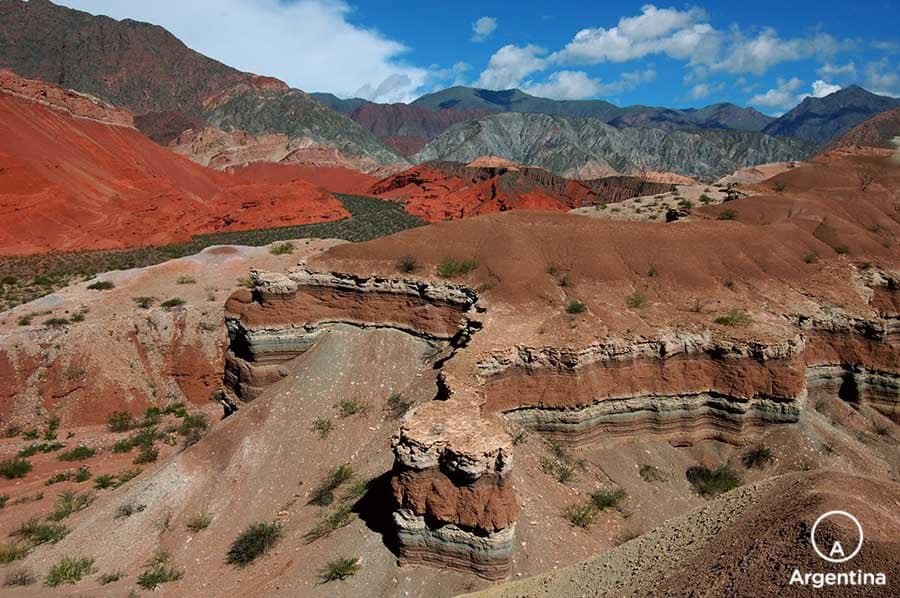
x,y
68,502
186,280
101,285
4,498
608,499
12,551
757,456
198,522
147,454
170,304
560,469
158,570
42,532
323,494
407,265
43,447
126,510
14,468
636,300
69,570
102,482
143,302
120,421
710,482
254,542
810,258
734,317
339,569
575,307
79,453
108,578
727,214
341,516
396,406
323,426
282,248
581,514
651,474
450,268
348,407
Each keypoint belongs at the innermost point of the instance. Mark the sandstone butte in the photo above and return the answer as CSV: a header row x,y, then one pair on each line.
x,y
718,327
74,174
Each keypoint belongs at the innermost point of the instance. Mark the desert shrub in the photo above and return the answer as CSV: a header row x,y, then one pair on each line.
x,y
608,499
705,199
397,406
340,517
339,569
122,445
108,578
323,494
147,454
30,434
120,421
69,502
842,250
727,214
126,510
10,552
15,468
652,272
82,474
19,577
37,531
56,322
198,522
810,258
581,514
575,307
12,431
651,474
348,407
102,482
323,426
357,489
158,570
145,437
558,468
450,268
56,478
69,570
101,285
192,428
636,300
710,482
407,264
43,447
734,317
282,248
4,498
186,280
79,453
170,304
143,302
254,542
757,456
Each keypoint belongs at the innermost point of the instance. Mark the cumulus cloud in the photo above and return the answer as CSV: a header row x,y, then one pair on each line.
x,y
882,78
510,65
704,90
784,95
577,85
820,89
829,70
483,28
758,54
310,44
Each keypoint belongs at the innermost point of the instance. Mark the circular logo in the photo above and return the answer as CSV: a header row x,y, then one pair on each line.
x,y
835,553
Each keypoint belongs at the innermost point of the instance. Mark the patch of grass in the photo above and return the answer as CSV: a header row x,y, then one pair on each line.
x,y
102,482
608,499
407,265
43,447
254,542
120,421
170,304
323,494
158,570
56,322
147,454
102,285
575,307
68,502
711,482
727,214
397,406
37,531
126,510
108,578
122,445
323,426
651,474
337,519
15,468
143,302
13,551
339,569
757,456
581,514
69,570
348,407
636,300
79,453
198,522
450,268
283,248
193,427
19,577
734,317
563,471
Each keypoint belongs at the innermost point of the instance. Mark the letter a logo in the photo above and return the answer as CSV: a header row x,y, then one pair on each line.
x,y
837,551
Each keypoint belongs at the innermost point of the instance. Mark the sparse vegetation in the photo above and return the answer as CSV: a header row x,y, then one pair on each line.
x,y
69,570
575,307
323,494
42,532
757,456
734,317
126,510
147,454
636,300
337,519
198,522
15,468
253,543
19,577
185,280
581,514
727,214
108,578
43,447
397,406
842,250
710,482
652,272
143,302
192,427
705,199
608,499
450,268
651,474
407,265
810,258
158,570
339,569
69,502
79,453
560,469
120,421
348,407
283,248
102,285
13,551
323,426
170,304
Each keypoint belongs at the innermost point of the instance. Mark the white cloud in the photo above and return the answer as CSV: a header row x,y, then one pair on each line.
x,y
510,65
704,90
566,85
820,88
310,44
782,96
829,70
680,34
883,78
483,28
758,54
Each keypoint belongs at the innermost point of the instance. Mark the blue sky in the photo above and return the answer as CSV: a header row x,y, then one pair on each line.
x,y
762,53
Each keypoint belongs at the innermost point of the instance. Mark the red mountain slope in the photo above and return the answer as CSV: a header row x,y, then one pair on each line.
x,y
69,182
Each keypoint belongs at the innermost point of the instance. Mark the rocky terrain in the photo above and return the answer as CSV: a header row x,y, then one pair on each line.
x,y
588,148
878,133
